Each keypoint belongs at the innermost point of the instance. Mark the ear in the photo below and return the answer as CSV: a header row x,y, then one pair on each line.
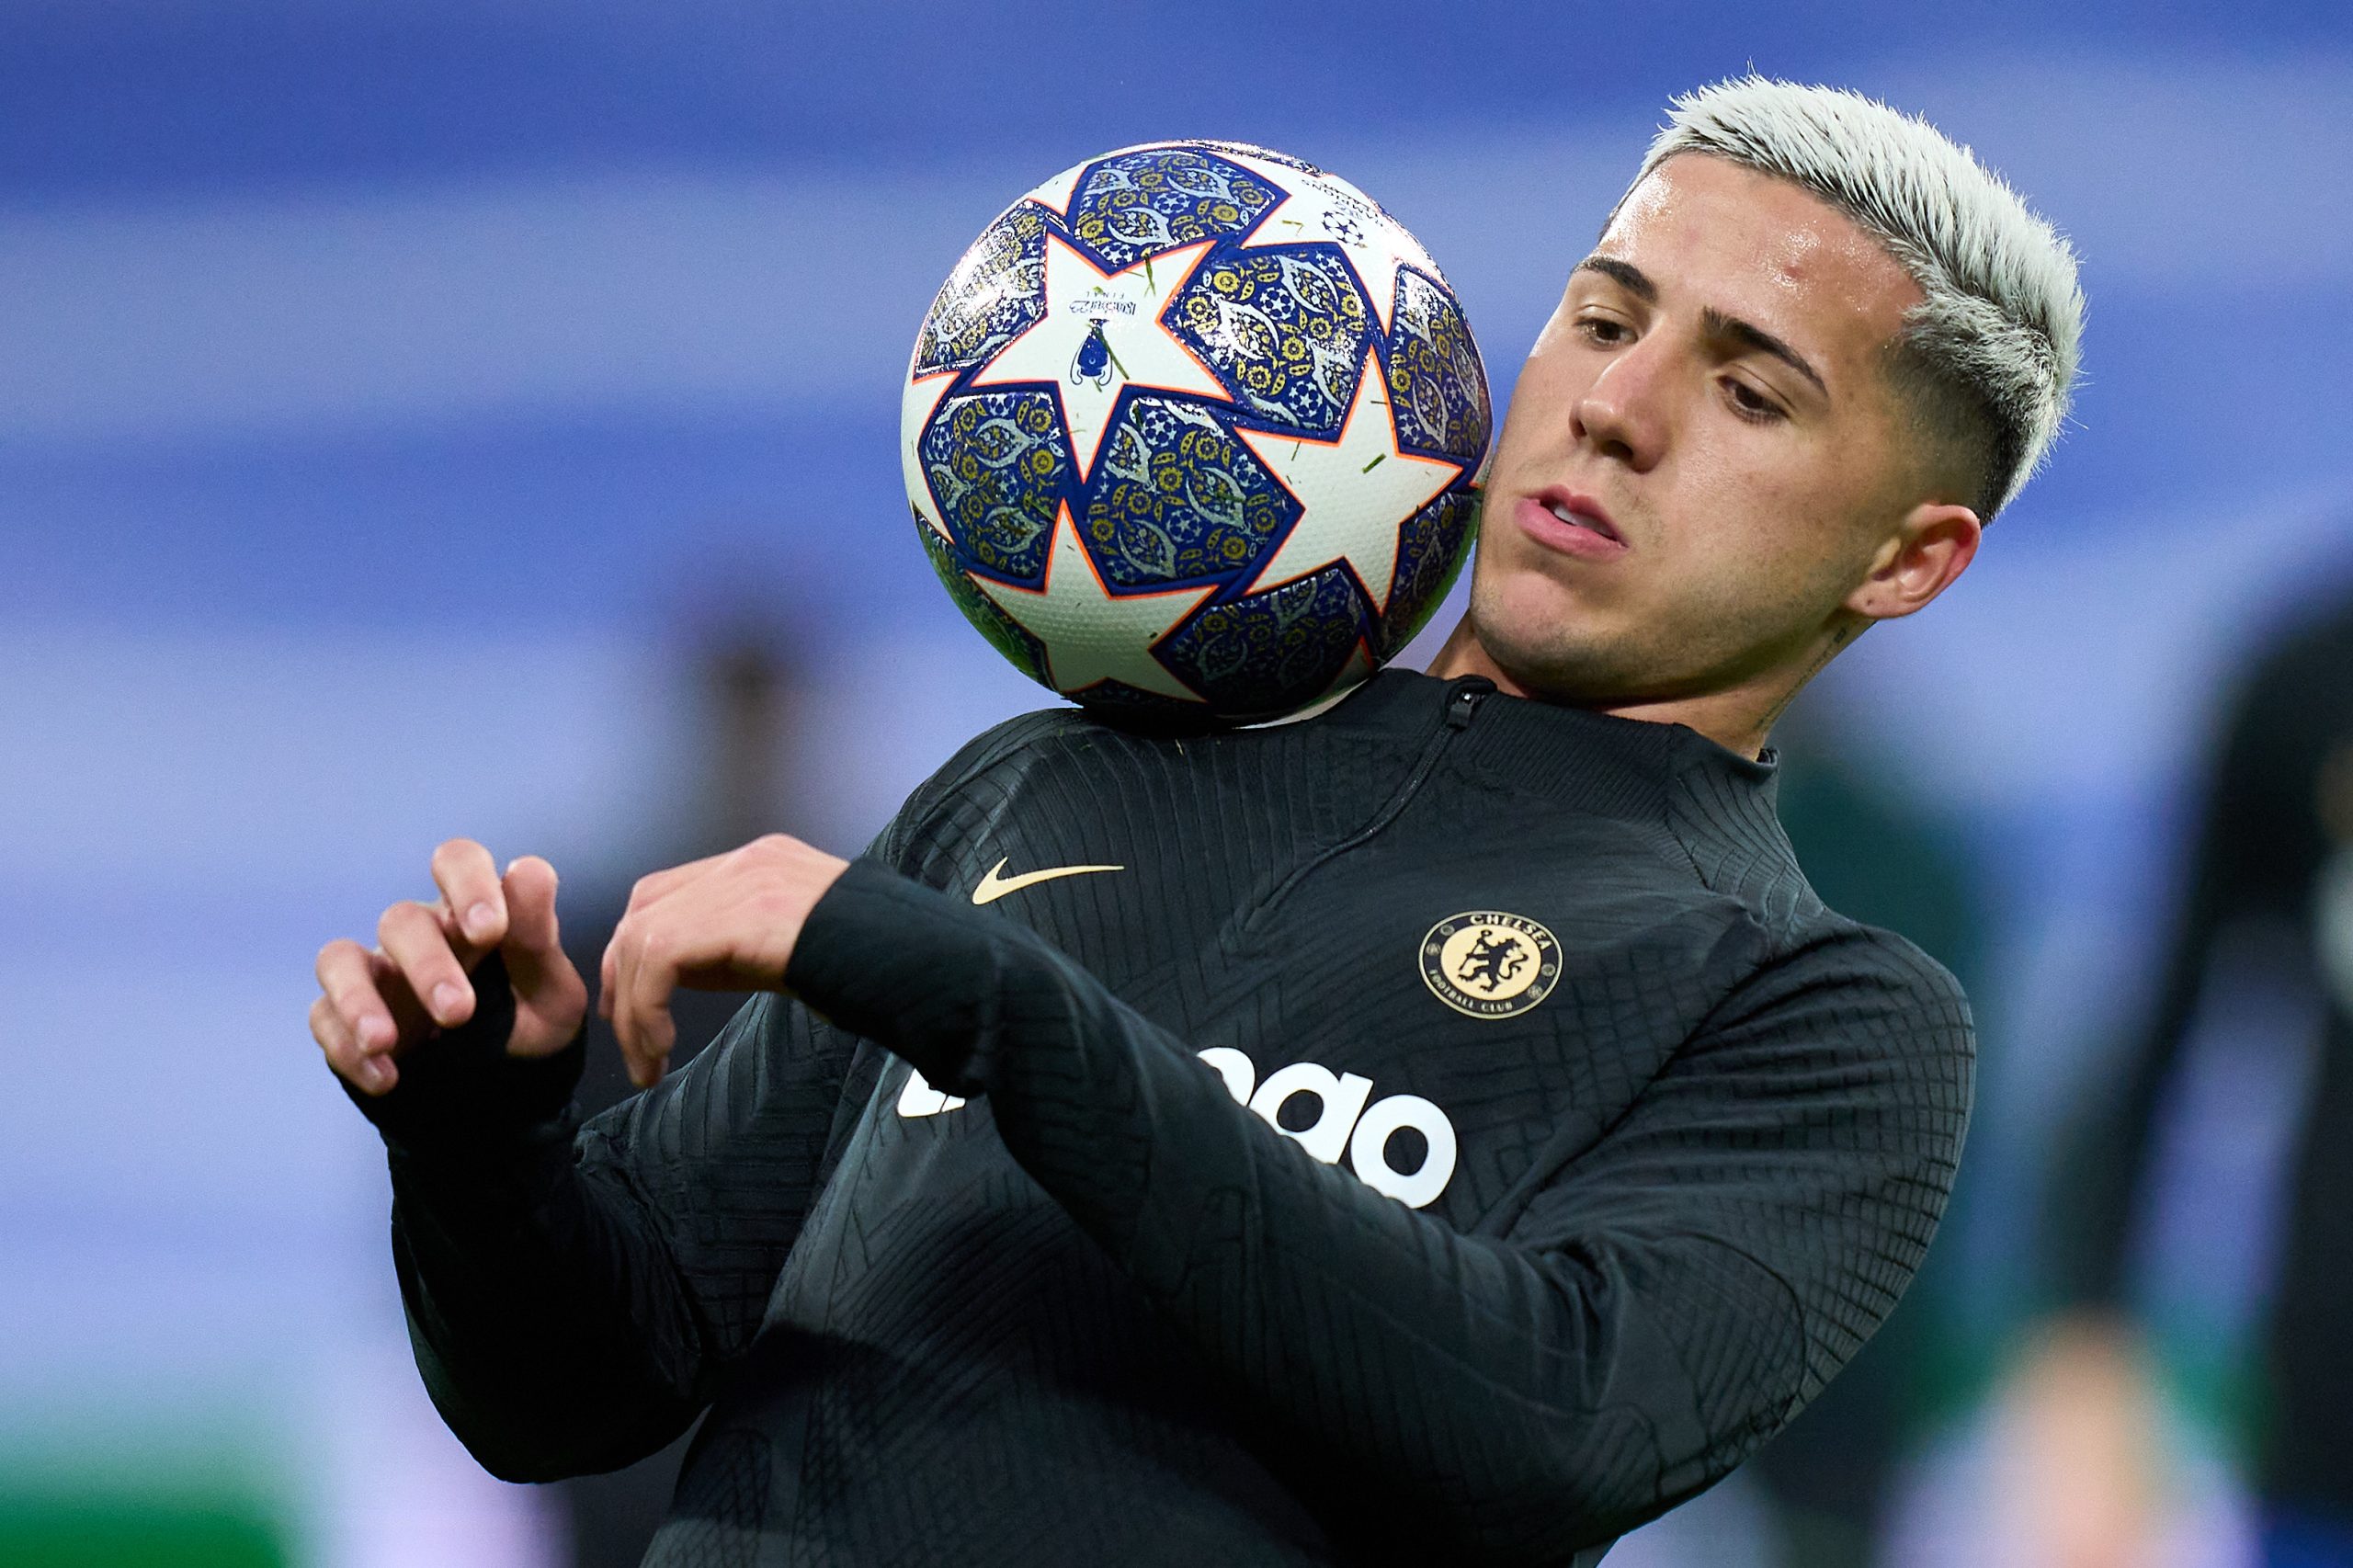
x,y
1934,546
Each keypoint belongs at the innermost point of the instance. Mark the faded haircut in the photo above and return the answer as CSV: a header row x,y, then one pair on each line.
x,y
1989,355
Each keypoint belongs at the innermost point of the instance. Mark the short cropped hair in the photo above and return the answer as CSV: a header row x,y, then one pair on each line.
x,y
1990,354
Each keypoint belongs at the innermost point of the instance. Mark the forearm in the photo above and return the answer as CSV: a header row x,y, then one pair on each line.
x,y
1524,1398
548,1323
1521,1395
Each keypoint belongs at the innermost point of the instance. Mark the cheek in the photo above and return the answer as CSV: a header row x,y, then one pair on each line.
x,y
1547,390
1518,591
1765,536
1766,501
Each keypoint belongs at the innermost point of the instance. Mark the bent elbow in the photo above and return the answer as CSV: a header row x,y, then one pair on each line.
x,y
518,1467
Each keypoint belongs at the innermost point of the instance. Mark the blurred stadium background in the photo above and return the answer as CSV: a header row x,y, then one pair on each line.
x,y
406,404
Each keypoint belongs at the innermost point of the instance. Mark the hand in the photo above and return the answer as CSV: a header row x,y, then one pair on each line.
x,y
2081,1454
375,1004
725,924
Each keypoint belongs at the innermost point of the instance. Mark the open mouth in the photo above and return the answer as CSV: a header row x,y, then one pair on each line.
x,y
1579,512
1564,520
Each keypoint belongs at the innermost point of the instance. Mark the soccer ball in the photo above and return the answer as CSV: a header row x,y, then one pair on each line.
x,y
1194,431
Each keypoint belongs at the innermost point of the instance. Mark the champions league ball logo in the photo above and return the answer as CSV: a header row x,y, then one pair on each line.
x,y
1192,431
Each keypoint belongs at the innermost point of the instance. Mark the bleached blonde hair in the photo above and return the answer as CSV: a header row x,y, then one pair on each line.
x,y
1991,353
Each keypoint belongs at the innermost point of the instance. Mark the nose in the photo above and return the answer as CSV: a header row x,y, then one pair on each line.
x,y
1623,413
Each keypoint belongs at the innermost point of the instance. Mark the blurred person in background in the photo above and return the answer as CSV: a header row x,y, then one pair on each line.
x,y
736,780
732,781
1106,1312
2267,909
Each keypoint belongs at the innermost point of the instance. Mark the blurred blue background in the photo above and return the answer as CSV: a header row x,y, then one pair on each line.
x,y
399,397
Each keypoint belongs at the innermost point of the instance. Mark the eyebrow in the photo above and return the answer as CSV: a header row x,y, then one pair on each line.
x,y
1746,335
1625,274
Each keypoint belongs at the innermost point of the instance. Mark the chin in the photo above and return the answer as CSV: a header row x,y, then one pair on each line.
x,y
1544,643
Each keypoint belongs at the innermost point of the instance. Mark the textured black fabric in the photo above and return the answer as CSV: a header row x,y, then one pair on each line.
x,y
1100,1311
455,1098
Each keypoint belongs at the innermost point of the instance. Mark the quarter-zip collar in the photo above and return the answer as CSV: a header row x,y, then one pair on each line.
x,y
1595,761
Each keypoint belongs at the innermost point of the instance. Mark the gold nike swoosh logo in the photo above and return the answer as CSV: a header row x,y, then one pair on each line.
x,y
995,885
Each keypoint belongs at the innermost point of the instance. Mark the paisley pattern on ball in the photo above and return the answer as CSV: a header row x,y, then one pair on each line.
x,y
991,297
1273,652
1264,154
997,463
1154,198
1430,553
1004,633
1175,498
1258,425
1284,328
1438,385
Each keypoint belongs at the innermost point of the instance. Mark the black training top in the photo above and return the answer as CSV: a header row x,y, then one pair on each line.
x,y
1444,1129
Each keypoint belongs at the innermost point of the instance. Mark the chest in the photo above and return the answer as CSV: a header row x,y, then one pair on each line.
x,y
1448,992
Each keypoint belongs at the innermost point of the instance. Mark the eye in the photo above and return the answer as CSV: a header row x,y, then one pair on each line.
x,y
1750,404
1605,330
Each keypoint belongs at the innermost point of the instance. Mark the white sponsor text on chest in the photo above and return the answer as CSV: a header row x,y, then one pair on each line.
x,y
1348,1121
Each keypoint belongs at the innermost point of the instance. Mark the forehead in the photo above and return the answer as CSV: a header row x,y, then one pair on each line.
x,y
1714,233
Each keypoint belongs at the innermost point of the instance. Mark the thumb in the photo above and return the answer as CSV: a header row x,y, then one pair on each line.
x,y
550,1000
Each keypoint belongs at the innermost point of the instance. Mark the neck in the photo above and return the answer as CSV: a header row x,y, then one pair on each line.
x,y
1737,718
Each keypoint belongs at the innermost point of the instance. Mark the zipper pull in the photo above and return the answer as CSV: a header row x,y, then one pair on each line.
x,y
1465,700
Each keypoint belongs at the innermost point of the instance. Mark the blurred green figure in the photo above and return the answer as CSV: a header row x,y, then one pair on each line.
x,y
2269,903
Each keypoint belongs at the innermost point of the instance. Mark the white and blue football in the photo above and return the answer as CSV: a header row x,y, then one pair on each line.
x,y
1194,430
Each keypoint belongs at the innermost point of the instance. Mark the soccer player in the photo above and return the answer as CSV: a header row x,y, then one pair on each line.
x,y
2268,918
1443,1130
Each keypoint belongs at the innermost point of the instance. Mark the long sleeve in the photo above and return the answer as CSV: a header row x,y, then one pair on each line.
x,y
573,1299
1664,1304
575,1294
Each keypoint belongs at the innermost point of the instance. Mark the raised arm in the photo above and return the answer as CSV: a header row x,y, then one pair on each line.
x,y
566,1314
571,1306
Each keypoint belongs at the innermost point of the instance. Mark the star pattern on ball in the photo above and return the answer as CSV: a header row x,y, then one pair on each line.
x,y
1090,633
1354,494
921,399
1326,207
1054,195
1099,333
1355,671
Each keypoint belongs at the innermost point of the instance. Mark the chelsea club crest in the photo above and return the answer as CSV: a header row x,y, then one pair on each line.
x,y
1489,964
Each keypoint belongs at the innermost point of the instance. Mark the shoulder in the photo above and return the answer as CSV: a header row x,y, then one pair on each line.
x,y
1023,735
1849,993
1037,745
1786,945
1001,745
1865,964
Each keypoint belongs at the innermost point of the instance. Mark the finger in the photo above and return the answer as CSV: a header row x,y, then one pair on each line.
x,y
416,940
369,1073
529,889
648,890
645,976
410,1020
348,985
655,886
548,997
468,879
333,1035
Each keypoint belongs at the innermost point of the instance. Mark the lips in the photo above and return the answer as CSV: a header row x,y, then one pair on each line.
x,y
1568,521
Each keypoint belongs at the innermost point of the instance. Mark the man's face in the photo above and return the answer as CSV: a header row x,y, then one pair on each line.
x,y
1710,406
